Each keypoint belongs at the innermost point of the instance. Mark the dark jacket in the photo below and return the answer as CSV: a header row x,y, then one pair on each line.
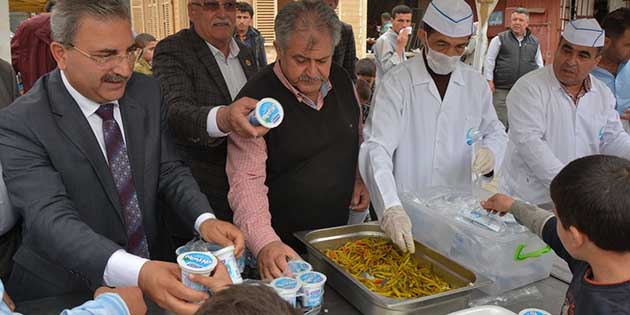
x,y
514,60
59,181
345,54
256,42
193,84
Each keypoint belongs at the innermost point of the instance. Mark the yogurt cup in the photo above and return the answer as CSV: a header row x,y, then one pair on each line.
x,y
312,288
201,263
226,256
287,288
297,267
409,29
212,247
268,113
533,311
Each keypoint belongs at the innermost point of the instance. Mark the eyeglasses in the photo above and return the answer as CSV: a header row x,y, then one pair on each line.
x,y
110,60
215,5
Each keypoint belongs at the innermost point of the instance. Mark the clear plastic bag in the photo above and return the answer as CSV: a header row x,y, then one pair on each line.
x,y
438,222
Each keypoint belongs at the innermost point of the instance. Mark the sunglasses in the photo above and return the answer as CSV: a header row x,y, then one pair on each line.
x,y
215,5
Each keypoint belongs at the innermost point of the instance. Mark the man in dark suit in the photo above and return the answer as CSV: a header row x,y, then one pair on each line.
x,y
345,54
201,70
86,155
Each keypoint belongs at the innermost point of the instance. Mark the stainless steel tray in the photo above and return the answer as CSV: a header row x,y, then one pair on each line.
x,y
462,281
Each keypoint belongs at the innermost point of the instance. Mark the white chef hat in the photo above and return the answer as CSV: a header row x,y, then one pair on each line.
x,y
584,32
453,18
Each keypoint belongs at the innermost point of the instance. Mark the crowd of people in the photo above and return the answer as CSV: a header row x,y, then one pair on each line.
x,y
129,147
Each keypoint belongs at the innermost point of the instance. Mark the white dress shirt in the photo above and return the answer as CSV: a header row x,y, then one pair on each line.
x,y
493,52
234,77
123,268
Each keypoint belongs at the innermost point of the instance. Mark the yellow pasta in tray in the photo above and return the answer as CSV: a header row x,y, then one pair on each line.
x,y
385,270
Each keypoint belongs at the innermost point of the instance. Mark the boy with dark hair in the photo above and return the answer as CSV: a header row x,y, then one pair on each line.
x,y
245,299
589,231
366,70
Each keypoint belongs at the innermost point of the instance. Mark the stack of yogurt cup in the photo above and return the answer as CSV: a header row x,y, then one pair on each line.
x,y
203,260
301,286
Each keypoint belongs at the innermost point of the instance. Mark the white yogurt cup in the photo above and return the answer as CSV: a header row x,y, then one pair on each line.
x,y
409,29
201,263
298,267
312,288
268,113
287,288
226,256
533,311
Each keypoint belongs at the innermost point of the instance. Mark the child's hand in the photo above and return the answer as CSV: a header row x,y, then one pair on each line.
x,y
498,203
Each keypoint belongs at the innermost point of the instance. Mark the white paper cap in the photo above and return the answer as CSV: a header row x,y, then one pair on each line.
x,y
584,32
453,18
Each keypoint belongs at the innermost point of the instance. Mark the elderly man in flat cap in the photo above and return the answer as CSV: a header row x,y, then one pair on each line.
x,y
560,113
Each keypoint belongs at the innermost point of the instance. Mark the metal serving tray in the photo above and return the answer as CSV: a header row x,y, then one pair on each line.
x,y
459,278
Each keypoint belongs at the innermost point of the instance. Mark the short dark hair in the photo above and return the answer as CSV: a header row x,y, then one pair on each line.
x,y
245,299
143,39
386,16
67,16
616,23
521,11
365,67
592,194
49,5
400,9
364,91
245,7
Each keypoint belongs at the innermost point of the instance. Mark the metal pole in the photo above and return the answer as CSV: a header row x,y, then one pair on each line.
x,y
484,9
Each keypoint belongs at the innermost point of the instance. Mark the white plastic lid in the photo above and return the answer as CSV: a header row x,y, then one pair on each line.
x,y
285,285
269,112
312,279
224,250
298,266
533,311
197,262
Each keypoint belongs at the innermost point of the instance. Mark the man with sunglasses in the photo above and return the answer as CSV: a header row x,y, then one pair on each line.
x,y
201,70
86,154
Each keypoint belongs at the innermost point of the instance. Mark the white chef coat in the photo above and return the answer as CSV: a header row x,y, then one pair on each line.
x,y
414,140
547,131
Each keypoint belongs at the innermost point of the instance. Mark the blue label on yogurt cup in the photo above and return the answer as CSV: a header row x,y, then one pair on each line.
x,y
268,113
312,277
197,261
285,283
299,266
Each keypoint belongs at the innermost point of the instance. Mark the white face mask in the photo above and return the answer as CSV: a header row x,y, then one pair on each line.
x,y
441,63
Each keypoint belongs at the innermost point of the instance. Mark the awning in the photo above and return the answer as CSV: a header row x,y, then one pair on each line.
x,y
35,6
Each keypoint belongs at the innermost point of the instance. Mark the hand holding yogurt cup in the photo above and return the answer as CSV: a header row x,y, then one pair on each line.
x,y
162,282
217,281
224,234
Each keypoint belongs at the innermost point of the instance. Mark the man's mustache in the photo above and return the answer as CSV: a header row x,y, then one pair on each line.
x,y
114,78
305,78
220,22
